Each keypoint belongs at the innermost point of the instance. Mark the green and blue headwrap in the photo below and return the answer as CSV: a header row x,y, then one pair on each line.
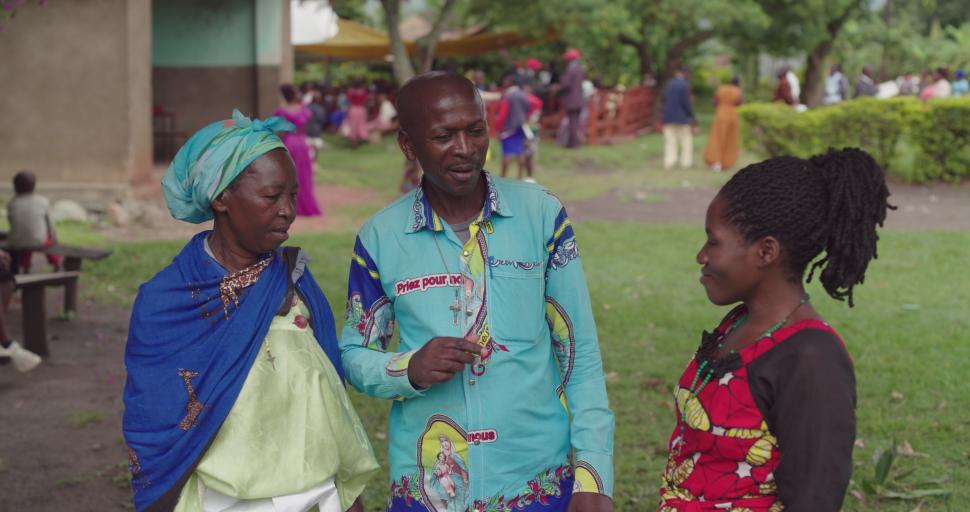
x,y
212,158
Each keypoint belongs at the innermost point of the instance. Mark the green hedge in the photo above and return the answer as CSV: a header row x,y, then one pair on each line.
x,y
910,139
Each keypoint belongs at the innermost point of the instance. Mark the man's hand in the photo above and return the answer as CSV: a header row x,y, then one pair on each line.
x,y
590,502
440,359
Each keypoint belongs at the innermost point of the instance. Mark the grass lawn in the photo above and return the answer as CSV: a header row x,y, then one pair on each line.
x,y
907,336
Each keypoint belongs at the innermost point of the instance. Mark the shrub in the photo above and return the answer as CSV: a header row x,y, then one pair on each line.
x,y
868,123
938,131
941,133
773,129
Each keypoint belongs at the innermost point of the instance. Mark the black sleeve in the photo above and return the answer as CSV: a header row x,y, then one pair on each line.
x,y
805,388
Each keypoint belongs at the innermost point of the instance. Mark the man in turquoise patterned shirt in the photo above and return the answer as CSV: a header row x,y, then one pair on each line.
x,y
499,395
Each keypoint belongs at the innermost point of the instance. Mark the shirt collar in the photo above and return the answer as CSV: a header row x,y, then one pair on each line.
x,y
422,216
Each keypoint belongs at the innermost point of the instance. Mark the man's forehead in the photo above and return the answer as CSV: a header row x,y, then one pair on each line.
x,y
445,88
451,107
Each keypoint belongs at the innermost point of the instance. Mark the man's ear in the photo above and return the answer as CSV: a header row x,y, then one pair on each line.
x,y
404,142
768,251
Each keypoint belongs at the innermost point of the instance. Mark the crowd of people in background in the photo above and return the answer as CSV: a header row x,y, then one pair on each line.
x,y
360,112
363,112
929,84
530,89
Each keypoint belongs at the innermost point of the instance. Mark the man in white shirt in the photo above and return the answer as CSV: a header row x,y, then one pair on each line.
x,y
794,84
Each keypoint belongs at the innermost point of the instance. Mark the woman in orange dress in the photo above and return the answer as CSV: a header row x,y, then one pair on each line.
x,y
722,145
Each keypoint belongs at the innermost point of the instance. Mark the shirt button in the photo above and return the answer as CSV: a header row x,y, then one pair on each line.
x,y
465,253
478,442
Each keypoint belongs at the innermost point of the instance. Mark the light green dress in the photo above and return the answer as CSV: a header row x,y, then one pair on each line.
x,y
292,428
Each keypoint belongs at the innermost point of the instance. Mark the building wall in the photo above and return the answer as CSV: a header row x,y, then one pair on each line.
x,y
75,94
79,79
209,58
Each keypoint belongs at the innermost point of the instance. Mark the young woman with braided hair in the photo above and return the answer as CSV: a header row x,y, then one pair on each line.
x,y
766,407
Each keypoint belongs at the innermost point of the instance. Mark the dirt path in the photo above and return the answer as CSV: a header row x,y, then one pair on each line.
x,y
61,447
935,206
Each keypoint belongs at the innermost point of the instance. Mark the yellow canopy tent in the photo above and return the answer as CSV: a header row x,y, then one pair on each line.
x,y
358,42
352,42
485,42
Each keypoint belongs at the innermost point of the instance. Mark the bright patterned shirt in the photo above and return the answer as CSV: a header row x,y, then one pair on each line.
x,y
526,425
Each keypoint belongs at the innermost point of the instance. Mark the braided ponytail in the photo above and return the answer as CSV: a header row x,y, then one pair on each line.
x,y
829,203
857,203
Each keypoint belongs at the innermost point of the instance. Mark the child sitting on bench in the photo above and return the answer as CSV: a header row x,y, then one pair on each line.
x,y
30,224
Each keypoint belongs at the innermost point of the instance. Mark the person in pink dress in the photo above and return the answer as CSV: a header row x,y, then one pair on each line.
x,y
357,130
296,143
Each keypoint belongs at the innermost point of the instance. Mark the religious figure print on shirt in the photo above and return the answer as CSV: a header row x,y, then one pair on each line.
x,y
443,452
375,324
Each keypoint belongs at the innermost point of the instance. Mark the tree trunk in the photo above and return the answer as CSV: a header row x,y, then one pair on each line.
x,y
673,61
403,70
430,41
815,75
815,67
643,54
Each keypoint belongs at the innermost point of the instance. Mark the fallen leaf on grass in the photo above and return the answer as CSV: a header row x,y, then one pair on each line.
x,y
896,396
860,443
380,435
612,377
607,307
919,508
906,450
651,384
857,495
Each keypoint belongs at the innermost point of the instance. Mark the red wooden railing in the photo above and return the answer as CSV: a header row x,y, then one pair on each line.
x,y
614,114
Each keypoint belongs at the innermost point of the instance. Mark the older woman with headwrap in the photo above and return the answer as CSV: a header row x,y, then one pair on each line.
x,y
235,397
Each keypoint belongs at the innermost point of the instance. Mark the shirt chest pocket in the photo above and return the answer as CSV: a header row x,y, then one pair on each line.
x,y
516,303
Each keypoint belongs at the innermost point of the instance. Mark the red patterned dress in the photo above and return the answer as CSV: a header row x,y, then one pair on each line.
x,y
724,454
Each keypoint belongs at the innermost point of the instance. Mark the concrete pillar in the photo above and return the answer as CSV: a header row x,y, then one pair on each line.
x,y
274,53
139,161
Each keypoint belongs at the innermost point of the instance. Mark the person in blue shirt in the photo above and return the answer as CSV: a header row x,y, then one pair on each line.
x,y
499,396
960,86
679,123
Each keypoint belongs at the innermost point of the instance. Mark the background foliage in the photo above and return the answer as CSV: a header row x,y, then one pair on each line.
x,y
912,140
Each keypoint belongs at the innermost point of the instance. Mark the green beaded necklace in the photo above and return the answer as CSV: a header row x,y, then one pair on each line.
x,y
710,370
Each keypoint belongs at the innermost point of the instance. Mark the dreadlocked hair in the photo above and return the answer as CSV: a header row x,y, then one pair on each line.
x,y
831,202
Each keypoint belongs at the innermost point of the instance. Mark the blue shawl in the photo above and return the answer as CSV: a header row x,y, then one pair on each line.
x,y
187,362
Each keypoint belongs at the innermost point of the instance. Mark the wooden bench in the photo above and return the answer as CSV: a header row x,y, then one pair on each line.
x,y
34,305
73,256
